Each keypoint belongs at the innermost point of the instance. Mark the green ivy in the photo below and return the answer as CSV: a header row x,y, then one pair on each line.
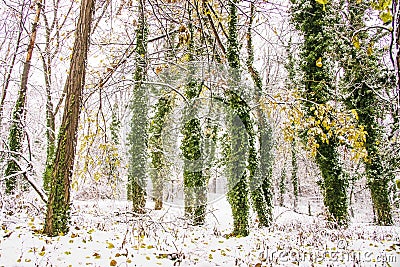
x,y
139,122
315,23
15,139
362,73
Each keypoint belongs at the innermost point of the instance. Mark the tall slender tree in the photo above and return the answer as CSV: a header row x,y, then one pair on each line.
x,y
158,162
237,181
263,175
139,122
239,117
193,177
16,134
58,205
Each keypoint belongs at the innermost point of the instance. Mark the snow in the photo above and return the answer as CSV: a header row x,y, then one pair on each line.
x,y
105,233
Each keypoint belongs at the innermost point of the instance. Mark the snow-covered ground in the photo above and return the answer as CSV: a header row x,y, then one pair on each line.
x,y
105,233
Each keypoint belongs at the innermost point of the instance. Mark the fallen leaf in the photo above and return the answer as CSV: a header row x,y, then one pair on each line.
x,y
96,255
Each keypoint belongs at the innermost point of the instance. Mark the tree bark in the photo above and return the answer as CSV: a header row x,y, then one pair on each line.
x,y
18,118
58,207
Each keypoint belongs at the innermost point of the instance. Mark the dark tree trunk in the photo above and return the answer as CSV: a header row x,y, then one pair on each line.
x,y
58,206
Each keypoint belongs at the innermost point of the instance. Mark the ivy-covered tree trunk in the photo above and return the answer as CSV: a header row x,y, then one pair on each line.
x,y
237,182
239,116
16,135
50,117
263,176
158,165
195,184
361,73
314,20
163,108
58,205
139,122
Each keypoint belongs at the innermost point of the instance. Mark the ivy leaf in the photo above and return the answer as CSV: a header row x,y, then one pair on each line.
x,y
318,63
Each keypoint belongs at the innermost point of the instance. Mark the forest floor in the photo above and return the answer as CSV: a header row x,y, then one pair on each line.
x,y
105,233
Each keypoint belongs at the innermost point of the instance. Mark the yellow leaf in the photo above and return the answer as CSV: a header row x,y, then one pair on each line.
x,y
110,245
323,3
113,263
318,63
355,114
147,258
158,69
386,16
359,1
398,183
96,255
356,42
369,50
41,253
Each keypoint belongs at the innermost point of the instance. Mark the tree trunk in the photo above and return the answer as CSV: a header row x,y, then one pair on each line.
x,y
58,206
139,121
50,117
238,187
313,19
18,118
194,179
264,173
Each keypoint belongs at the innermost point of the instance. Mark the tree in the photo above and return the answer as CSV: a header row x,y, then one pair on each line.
x,y
239,182
194,180
16,134
314,22
158,164
58,205
139,122
364,78
263,175
52,32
